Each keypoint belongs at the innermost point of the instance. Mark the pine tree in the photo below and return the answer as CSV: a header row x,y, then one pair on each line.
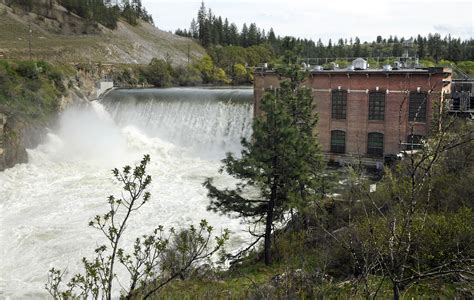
x,y
279,168
234,38
201,22
244,35
253,36
226,33
194,29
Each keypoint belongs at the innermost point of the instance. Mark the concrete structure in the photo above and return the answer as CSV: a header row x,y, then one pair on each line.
x,y
367,114
104,86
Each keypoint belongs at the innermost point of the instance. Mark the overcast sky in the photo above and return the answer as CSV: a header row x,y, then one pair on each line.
x,y
329,18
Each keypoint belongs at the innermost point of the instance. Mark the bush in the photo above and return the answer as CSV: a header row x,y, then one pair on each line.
x,y
158,73
28,69
240,74
187,76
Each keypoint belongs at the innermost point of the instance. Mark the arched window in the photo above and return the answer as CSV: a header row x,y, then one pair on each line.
x,y
375,144
376,106
339,104
338,141
417,107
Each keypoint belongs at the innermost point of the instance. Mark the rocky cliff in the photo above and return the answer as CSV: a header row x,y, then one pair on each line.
x,y
20,131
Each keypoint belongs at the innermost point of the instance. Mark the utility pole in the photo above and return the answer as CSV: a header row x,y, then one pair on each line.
x,y
29,38
189,50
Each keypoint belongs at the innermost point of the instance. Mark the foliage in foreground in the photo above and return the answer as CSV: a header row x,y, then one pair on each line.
x,y
155,260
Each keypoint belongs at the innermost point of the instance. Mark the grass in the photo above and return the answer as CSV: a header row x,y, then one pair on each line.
x,y
251,279
255,283
127,44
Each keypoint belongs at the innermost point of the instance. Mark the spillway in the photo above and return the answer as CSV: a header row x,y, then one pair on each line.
x,y
46,204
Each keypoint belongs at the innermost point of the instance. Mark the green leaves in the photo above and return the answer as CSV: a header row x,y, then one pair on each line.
x,y
155,259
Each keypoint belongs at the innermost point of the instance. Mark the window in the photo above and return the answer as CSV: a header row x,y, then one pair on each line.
x,y
417,109
339,104
375,144
414,142
376,106
338,141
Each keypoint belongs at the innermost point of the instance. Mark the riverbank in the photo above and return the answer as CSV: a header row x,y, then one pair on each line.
x,y
32,93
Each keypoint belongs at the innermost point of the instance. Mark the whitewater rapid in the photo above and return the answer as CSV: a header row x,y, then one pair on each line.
x,y
46,204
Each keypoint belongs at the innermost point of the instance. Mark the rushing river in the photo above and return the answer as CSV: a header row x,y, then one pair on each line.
x,y
45,205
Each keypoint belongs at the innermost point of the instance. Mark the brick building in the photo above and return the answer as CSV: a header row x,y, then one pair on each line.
x,y
367,114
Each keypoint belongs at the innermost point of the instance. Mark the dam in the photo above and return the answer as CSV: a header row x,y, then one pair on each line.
x,y
46,204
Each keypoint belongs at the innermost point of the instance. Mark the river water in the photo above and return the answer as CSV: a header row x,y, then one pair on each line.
x,y
46,204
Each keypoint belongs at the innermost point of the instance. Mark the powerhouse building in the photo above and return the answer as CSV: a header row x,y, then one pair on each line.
x,y
369,115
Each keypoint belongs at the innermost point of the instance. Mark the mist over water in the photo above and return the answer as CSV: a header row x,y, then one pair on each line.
x,y
46,204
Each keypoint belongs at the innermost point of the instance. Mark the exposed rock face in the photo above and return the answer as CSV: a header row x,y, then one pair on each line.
x,y
3,120
12,142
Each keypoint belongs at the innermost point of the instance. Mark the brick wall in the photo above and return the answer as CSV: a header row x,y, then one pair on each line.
x,y
395,125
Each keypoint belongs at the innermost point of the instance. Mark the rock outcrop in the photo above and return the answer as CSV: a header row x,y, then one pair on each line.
x,y
3,121
12,145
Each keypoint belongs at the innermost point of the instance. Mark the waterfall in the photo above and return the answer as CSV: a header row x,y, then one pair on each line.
x,y
47,203
209,122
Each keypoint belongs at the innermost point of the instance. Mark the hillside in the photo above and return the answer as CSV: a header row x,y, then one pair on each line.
x,y
64,37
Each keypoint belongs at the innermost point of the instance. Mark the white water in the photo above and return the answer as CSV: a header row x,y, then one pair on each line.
x,y
46,204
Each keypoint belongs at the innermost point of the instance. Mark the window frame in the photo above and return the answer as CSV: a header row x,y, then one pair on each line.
x,y
339,104
376,150
417,108
339,148
376,109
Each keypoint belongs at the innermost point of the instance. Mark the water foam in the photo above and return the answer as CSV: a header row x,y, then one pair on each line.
x,y
46,204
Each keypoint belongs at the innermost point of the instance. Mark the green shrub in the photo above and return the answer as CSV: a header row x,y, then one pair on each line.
x,y
187,76
27,69
158,73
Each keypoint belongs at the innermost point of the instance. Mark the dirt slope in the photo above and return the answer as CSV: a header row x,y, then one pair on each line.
x,y
53,38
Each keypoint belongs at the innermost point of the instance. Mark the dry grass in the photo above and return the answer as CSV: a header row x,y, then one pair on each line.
x,y
126,44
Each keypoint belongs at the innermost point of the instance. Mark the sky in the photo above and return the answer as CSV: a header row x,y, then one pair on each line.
x,y
314,19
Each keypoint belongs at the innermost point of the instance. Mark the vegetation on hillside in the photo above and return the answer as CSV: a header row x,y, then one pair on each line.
x,y
162,73
105,12
33,88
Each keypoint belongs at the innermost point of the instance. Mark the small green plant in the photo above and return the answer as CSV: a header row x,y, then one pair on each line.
x,y
149,264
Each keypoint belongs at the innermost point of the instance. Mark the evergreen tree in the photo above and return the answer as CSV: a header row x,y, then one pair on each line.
x,y
194,29
420,46
253,36
226,33
244,36
234,38
201,22
278,169
356,48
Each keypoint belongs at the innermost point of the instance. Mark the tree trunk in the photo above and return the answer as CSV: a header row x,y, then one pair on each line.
x,y
268,225
396,291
